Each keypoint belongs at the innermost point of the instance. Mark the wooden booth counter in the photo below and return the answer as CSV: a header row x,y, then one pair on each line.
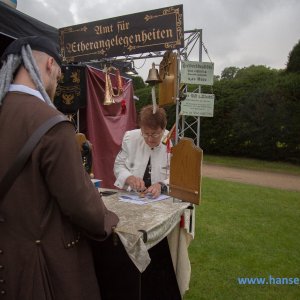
x,y
147,257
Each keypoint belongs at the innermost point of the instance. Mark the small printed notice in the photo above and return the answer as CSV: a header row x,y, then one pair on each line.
x,y
136,199
198,104
201,73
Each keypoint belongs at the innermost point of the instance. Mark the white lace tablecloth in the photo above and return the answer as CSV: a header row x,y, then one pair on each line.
x,y
155,221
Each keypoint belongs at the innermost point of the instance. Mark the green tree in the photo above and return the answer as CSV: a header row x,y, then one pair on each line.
x,y
293,64
255,74
229,73
138,83
256,114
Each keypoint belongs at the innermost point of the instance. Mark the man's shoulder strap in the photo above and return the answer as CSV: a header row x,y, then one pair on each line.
x,y
23,155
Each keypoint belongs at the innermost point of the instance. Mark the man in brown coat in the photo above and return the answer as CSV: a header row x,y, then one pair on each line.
x,y
52,205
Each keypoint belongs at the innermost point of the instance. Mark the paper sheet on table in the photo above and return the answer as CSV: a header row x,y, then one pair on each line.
x,y
136,199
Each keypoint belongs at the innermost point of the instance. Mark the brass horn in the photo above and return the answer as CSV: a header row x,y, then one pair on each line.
x,y
153,77
108,96
109,92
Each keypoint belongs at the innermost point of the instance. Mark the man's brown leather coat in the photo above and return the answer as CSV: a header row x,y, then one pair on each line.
x,y
44,253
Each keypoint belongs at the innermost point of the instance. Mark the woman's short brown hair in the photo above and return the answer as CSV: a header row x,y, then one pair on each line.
x,y
148,119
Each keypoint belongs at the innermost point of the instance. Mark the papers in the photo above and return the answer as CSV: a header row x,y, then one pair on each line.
x,y
136,199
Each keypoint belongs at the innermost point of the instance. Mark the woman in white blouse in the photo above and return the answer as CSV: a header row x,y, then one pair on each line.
x,y
143,162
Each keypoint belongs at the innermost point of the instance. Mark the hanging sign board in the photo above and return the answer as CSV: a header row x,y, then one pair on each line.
x,y
201,73
198,104
155,30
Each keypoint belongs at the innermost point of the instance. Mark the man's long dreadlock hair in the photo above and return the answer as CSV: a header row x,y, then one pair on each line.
x,y
12,63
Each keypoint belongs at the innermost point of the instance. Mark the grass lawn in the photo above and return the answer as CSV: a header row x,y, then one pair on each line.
x,y
244,231
254,164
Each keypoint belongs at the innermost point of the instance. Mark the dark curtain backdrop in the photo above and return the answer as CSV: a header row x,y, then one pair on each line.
x,y
105,125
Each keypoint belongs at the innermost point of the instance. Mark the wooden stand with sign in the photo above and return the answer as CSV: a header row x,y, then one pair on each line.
x,y
185,171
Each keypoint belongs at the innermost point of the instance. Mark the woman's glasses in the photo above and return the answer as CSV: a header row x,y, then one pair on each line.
x,y
152,135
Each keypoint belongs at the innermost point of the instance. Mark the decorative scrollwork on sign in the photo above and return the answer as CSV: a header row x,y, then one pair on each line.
x,y
129,34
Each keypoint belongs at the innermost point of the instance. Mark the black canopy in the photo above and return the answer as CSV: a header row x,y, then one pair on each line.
x,y
15,24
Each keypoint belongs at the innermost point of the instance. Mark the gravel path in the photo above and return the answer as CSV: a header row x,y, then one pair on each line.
x,y
262,178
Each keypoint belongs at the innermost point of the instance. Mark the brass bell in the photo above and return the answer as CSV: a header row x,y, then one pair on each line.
x,y
153,76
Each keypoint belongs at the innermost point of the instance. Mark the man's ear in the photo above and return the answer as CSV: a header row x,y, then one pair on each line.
x,y
50,62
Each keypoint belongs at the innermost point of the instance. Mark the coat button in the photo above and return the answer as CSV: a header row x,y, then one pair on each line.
x,y
2,292
2,280
1,267
1,251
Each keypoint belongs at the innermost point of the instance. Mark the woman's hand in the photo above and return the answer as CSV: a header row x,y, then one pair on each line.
x,y
135,183
154,190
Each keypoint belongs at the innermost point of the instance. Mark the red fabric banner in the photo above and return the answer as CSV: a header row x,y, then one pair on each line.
x,y
106,124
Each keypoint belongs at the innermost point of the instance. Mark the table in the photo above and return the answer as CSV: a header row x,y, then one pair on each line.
x,y
141,227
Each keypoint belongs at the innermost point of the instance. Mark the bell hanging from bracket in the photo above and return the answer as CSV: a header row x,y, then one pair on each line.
x,y
153,76
153,79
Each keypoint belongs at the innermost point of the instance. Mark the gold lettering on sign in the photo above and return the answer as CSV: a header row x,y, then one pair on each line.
x,y
156,34
126,41
103,29
122,25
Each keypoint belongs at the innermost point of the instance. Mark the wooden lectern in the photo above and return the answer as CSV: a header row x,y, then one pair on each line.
x,y
185,171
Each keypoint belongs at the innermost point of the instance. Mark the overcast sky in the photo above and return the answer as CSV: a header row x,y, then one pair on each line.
x,y
236,33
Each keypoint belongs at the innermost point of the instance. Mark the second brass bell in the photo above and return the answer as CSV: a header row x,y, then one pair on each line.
x,y
153,76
